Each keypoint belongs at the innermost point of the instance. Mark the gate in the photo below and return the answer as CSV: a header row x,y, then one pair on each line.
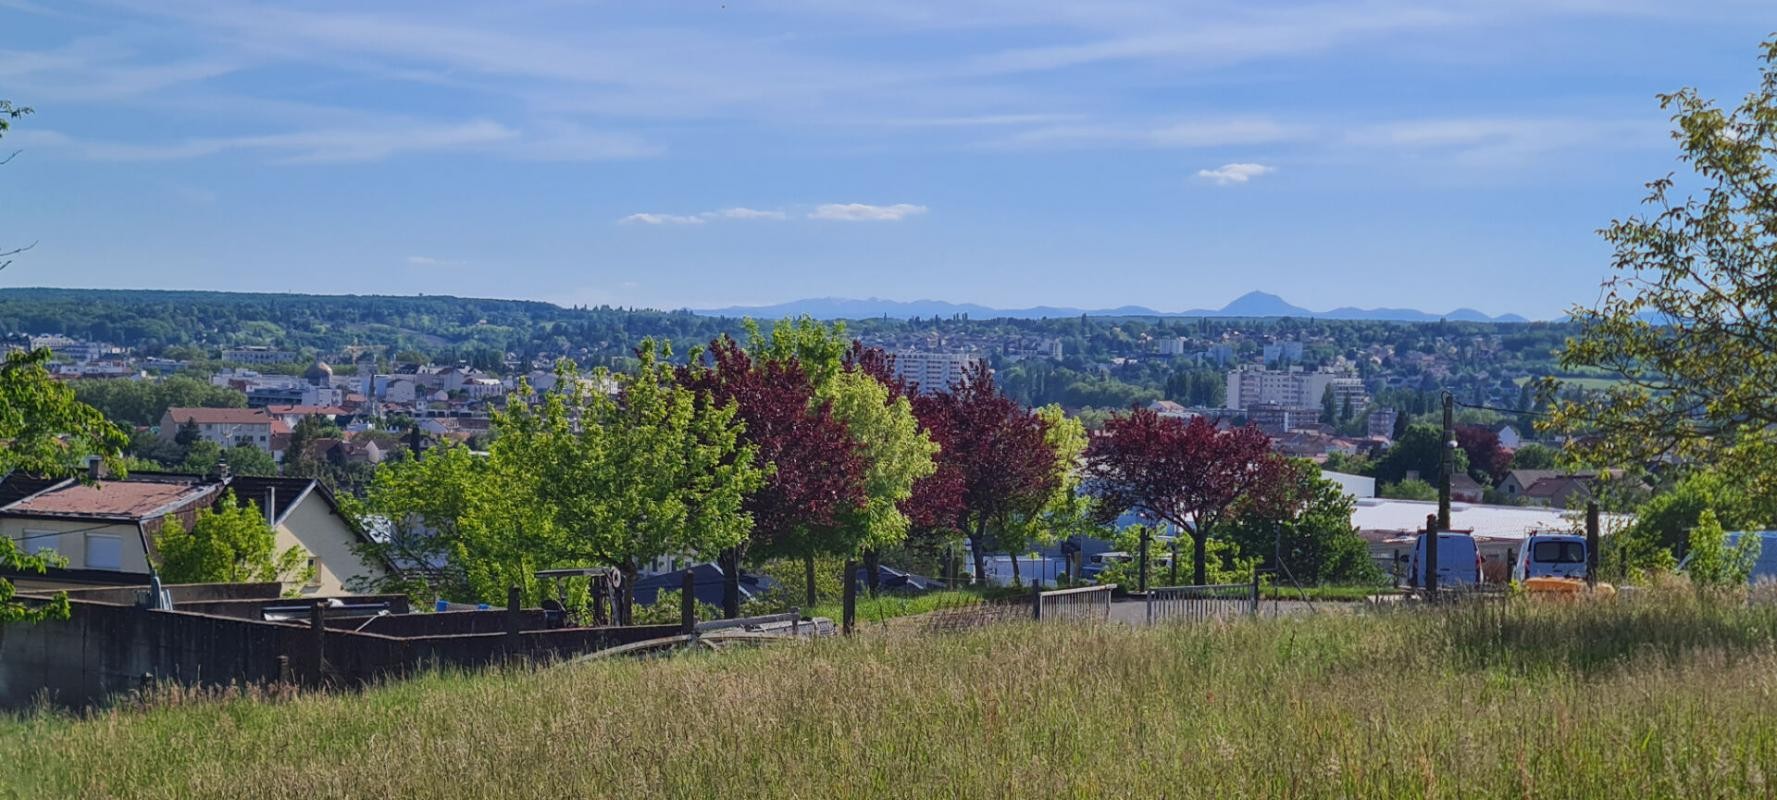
x,y
1084,603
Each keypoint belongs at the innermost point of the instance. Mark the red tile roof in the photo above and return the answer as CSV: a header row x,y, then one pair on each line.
x,y
326,411
220,416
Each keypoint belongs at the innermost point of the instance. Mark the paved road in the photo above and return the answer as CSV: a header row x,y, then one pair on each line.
x,y
1134,612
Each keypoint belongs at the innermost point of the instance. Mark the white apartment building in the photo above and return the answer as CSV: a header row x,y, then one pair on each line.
x,y
257,355
1171,345
1218,354
1283,352
933,372
1292,388
226,427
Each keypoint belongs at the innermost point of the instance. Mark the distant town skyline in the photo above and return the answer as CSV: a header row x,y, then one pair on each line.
x,y
1039,153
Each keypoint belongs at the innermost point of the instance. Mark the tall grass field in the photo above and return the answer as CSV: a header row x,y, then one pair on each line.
x,y
1656,696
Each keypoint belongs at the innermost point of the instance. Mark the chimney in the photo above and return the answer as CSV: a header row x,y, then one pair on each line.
x,y
95,468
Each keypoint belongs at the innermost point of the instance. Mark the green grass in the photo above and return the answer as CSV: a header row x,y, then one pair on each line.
x,y
1663,696
888,606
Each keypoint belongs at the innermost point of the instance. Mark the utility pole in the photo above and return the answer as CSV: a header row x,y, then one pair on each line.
x,y
1449,443
1592,544
1430,584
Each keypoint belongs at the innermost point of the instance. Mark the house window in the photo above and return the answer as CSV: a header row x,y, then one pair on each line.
x,y
104,551
40,542
314,572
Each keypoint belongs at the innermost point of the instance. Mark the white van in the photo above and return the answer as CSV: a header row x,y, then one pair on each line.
x,y
1551,555
1459,561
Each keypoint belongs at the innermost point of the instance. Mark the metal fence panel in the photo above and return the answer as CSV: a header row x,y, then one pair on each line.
x,y
1215,601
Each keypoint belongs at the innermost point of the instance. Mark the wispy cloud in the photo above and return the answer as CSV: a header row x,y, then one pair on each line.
x,y
429,261
1503,141
1183,134
744,213
373,139
864,212
1233,174
740,213
647,218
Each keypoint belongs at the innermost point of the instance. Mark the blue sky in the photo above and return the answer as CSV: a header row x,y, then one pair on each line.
x,y
672,154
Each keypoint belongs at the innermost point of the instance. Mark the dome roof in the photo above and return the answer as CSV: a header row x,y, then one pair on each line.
x,y
320,371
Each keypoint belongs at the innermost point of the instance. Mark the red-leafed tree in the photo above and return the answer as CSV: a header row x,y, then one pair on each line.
x,y
814,469
1190,474
993,461
1485,454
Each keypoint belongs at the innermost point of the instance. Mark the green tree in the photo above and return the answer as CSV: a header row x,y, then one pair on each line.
x,y
45,430
1065,511
897,454
1421,451
1666,520
1329,407
1713,563
1409,489
1688,324
231,543
635,476
1533,456
459,526
298,460
145,402
1312,536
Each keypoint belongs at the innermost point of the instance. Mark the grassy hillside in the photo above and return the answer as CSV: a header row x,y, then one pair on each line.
x,y
1668,698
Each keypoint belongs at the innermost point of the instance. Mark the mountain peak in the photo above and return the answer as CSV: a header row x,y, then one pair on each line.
x,y
1252,304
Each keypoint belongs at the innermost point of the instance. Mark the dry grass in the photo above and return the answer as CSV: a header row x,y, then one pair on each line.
x,y
1665,698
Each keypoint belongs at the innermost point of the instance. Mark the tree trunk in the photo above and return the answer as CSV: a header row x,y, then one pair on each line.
x,y
808,575
872,570
626,599
979,553
1199,558
1016,581
730,562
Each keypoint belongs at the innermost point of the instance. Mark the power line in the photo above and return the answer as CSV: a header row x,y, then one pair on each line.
x,y
1497,409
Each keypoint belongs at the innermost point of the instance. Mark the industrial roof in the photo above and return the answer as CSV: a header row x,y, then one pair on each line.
x,y
1386,516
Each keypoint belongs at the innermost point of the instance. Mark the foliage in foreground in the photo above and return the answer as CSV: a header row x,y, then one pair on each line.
x,y
1665,697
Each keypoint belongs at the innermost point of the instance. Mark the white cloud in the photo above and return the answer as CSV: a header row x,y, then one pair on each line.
x,y
1497,142
646,218
1231,174
864,212
429,261
743,213
1187,134
740,213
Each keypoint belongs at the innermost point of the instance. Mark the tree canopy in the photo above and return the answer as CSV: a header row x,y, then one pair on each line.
x,y
1192,475
231,543
1688,322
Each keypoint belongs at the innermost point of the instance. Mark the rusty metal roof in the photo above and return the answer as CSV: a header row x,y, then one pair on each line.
x,y
126,499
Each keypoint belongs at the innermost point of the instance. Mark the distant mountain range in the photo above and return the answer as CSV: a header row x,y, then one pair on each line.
x,y
1251,304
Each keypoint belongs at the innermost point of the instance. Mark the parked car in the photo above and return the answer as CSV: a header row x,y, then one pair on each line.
x,y
1765,568
1459,561
1097,562
1551,555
